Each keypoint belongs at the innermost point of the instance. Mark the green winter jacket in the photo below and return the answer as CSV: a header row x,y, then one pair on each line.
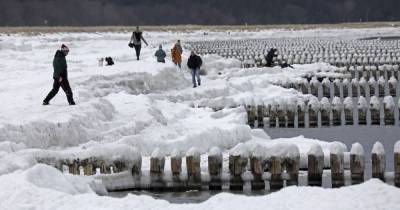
x,y
160,54
60,65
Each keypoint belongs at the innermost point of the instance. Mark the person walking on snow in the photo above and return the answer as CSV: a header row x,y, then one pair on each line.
x,y
176,53
60,76
160,54
136,41
194,63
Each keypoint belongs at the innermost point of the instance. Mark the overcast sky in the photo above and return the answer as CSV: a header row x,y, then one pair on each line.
x,y
209,12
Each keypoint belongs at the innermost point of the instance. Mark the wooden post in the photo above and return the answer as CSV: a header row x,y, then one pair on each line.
x,y
276,173
337,107
176,169
315,165
378,161
193,169
337,165
397,164
348,111
388,108
375,111
260,115
251,115
215,168
238,159
300,114
157,162
273,116
325,112
257,169
292,168
362,107
73,166
357,165
313,109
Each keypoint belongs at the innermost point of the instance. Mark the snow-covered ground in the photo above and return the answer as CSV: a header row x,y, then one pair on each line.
x,y
147,105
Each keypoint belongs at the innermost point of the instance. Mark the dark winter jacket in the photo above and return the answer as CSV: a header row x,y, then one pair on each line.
x,y
194,62
270,57
137,38
160,54
60,65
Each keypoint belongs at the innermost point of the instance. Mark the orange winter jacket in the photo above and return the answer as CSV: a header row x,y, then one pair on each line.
x,y
176,53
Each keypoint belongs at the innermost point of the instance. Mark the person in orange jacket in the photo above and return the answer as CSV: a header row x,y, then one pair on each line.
x,y
176,53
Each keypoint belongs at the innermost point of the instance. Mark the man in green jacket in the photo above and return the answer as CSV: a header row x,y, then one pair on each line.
x,y
160,54
60,76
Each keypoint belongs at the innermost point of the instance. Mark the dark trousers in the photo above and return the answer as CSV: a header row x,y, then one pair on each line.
x,y
137,49
64,84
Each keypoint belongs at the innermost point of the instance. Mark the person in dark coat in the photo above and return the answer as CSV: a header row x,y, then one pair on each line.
x,y
136,41
270,57
160,54
60,76
194,63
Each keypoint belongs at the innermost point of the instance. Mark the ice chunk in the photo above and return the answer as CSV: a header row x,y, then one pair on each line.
x,y
397,147
348,103
215,151
357,149
240,150
336,103
316,150
389,102
325,104
157,153
337,148
374,103
378,148
193,151
362,103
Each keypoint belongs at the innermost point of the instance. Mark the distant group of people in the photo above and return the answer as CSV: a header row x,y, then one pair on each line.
x,y
60,75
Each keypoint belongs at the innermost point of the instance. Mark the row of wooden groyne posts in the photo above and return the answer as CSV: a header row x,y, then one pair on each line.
x,y
343,87
261,170
312,112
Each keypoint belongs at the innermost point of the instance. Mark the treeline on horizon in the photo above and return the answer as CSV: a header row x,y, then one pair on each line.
x,y
202,12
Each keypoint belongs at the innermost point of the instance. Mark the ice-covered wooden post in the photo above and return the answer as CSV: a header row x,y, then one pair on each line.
x,y
292,163
273,115
355,87
193,169
215,168
314,85
257,169
276,172
300,112
73,166
357,166
313,109
134,164
88,168
337,164
373,89
388,109
326,88
315,165
176,169
397,164
393,86
363,86
375,110
238,158
381,86
378,161
157,162
304,86
251,114
337,108
291,113
337,86
260,115
281,113
362,107
346,88
348,111
325,112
